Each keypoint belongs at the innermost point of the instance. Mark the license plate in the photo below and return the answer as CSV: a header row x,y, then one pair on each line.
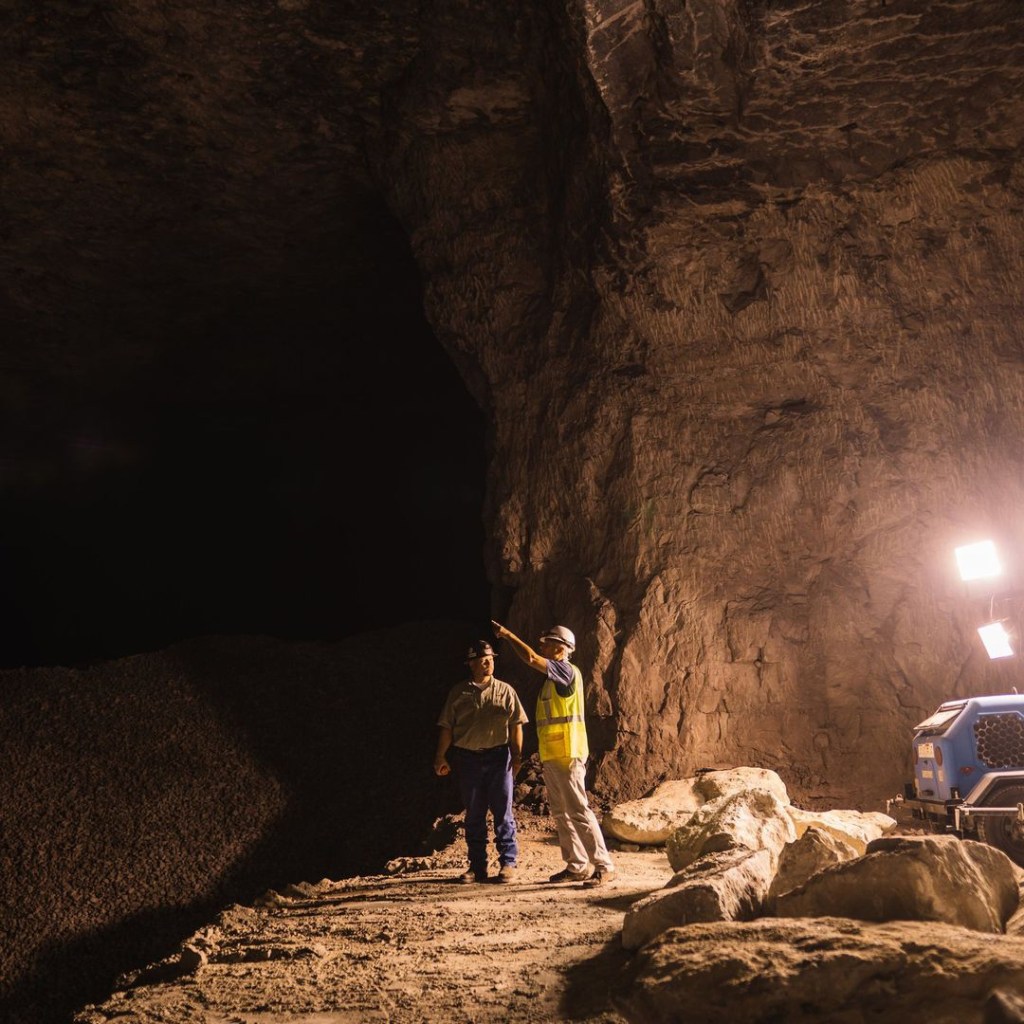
x,y
926,750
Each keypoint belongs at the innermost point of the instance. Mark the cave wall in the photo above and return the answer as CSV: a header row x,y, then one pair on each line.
x,y
213,352
735,282
739,285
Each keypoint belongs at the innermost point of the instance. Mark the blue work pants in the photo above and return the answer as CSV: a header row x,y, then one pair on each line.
x,y
485,783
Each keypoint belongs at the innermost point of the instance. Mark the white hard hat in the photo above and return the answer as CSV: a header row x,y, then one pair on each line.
x,y
561,635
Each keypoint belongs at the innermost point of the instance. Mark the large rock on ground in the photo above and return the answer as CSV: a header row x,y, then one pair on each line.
x,y
822,972
908,878
857,828
813,852
730,886
650,820
712,785
754,819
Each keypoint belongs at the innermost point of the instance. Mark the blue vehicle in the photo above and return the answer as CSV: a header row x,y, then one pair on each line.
x,y
969,773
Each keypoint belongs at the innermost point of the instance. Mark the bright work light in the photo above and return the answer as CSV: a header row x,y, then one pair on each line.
x,y
996,640
978,561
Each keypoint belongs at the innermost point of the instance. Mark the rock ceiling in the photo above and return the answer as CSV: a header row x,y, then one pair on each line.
x,y
736,284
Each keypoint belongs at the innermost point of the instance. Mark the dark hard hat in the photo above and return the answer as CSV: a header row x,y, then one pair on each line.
x,y
479,649
561,635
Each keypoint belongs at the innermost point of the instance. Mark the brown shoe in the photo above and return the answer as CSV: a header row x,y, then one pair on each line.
x,y
507,873
599,877
470,876
565,875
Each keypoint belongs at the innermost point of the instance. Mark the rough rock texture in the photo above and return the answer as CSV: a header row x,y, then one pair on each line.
x,y
141,796
858,828
650,820
712,785
904,878
811,852
739,857
751,820
780,384
728,886
823,971
736,283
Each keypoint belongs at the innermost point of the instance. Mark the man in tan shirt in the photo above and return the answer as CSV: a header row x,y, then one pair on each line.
x,y
481,737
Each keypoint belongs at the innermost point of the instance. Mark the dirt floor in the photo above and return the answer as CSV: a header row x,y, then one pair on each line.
x,y
414,946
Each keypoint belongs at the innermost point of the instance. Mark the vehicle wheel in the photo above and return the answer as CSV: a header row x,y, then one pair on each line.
x,y
1003,832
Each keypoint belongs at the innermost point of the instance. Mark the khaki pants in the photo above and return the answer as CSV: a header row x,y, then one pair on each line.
x,y
579,834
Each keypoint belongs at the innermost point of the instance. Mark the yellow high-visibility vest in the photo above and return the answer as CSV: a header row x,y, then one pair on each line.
x,y
561,731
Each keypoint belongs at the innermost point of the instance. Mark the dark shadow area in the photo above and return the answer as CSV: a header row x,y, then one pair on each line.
x,y
202,776
349,732
298,458
592,986
238,474
66,976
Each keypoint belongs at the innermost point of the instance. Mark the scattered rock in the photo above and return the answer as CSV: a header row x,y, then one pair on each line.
x,y
405,865
754,819
821,972
810,853
913,878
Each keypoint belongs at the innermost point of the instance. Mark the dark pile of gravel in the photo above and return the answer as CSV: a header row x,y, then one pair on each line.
x,y
141,796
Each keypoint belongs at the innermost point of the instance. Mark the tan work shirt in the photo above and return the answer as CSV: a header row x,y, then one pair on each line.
x,y
480,718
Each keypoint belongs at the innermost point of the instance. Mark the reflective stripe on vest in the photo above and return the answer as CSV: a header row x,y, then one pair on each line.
x,y
561,731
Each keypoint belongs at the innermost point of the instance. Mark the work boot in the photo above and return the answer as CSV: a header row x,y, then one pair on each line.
x,y
565,875
599,877
507,873
471,876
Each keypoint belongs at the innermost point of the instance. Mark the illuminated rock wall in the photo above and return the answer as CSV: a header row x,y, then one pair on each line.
x,y
750,340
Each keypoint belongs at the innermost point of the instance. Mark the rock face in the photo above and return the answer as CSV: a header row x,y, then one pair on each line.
x,y
825,970
742,346
778,401
736,284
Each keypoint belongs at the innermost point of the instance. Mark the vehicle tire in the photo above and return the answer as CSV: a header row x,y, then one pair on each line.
x,y
1003,832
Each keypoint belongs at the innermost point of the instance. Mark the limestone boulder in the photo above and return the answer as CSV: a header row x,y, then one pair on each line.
x,y
857,828
650,820
823,971
814,851
913,878
713,785
1015,926
753,819
729,886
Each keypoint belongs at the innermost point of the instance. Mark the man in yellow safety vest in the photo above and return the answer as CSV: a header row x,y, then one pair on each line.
x,y
562,739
